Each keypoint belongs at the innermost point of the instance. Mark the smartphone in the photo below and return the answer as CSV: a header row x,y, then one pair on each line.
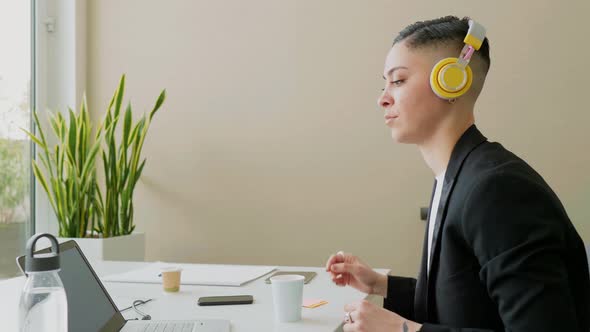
x,y
224,300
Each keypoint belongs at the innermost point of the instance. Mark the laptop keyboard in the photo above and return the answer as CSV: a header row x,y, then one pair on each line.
x,y
167,327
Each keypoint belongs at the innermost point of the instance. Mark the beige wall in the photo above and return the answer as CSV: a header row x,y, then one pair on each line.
x,y
271,148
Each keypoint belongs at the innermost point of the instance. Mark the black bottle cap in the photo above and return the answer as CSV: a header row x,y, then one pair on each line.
x,y
42,262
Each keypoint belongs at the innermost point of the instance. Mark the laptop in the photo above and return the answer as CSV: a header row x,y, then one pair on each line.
x,y
90,307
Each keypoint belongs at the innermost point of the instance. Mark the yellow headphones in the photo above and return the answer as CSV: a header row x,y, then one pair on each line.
x,y
451,77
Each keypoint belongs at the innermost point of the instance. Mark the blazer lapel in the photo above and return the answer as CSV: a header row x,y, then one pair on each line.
x,y
471,139
420,312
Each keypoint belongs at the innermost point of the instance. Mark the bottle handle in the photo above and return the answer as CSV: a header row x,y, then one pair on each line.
x,y
30,251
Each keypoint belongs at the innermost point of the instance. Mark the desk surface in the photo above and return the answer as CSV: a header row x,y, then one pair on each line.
x,y
183,305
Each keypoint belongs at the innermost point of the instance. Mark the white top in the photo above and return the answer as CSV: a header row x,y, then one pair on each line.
x,y
440,179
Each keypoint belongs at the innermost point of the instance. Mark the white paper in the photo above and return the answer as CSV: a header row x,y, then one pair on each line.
x,y
196,274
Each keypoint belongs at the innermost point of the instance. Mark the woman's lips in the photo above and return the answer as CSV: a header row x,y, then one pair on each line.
x,y
389,118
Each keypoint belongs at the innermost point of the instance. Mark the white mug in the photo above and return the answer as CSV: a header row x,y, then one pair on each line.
x,y
287,294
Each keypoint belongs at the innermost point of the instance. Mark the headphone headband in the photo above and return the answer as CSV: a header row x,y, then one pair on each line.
x,y
475,35
473,41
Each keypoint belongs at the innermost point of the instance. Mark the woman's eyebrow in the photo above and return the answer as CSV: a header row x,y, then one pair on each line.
x,y
390,72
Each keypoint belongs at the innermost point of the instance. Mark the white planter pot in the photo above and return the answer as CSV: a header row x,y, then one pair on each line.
x,y
119,248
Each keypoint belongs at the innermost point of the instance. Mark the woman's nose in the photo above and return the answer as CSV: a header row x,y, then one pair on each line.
x,y
385,100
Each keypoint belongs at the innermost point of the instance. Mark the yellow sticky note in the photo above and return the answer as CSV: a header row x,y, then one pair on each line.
x,y
313,303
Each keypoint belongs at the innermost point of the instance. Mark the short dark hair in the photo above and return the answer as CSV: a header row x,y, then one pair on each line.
x,y
444,30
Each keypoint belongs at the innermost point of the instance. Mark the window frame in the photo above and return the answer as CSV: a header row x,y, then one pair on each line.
x,y
58,80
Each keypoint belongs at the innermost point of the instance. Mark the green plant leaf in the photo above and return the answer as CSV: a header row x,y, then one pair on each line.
x,y
59,203
138,173
41,178
55,126
39,128
105,167
126,126
133,135
34,139
59,162
62,127
113,160
89,163
124,177
158,104
44,161
72,136
98,199
70,160
45,147
120,93
81,141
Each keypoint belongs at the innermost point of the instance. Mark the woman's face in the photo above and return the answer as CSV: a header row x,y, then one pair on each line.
x,y
412,110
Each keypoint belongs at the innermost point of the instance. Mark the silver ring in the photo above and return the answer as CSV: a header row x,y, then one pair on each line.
x,y
348,318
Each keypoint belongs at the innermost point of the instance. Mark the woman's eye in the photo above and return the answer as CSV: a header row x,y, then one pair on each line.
x,y
396,83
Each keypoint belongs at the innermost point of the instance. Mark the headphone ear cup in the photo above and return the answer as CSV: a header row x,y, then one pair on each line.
x,y
448,80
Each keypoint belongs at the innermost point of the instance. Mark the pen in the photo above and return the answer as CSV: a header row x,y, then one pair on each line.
x,y
140,302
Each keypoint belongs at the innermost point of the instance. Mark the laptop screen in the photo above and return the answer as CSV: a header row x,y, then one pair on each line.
x,y
90,308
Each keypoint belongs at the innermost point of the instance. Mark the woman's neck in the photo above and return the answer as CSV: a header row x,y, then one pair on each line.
x,y
437,149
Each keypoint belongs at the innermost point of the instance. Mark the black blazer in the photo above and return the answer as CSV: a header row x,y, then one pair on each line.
x,y
505,256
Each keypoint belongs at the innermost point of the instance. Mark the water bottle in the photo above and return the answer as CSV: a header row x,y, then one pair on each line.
x,y
43,303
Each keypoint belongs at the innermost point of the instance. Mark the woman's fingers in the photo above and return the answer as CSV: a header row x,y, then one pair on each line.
x,y
340,280
350,306
344,268
350,317
349,327
341,266
329,262
335,258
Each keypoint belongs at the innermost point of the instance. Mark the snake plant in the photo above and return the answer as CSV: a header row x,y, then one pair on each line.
x,y
121,163
68,172
68,175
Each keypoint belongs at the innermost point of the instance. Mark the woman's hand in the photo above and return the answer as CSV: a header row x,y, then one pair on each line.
x,y
347,269
367,317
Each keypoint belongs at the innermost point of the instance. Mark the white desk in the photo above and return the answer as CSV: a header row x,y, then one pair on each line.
x,y
183,305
